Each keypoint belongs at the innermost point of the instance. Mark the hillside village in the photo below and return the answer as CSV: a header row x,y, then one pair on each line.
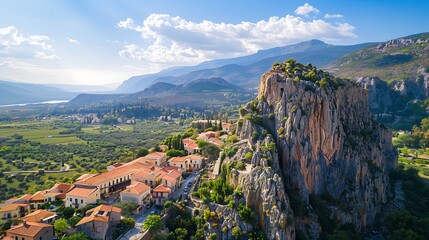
x,y
93,197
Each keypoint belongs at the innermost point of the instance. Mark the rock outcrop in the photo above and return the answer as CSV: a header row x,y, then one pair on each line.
x,y
328,145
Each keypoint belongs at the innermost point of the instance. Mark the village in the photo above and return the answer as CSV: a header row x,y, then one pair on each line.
x,y
147,182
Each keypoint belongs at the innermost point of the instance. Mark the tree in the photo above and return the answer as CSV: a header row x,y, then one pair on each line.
x,y
236,232
175,153
67,212
210,151
181,233
142,152
76,236
128,222
152,223
74,220
127,207
60,225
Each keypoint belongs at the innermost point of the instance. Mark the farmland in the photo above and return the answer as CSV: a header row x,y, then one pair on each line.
x,y
45,145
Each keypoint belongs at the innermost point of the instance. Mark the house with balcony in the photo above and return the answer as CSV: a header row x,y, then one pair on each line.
x,y
190,146
13,211
138,193
160,194
100,222
187,163
172,180
108,182
80,196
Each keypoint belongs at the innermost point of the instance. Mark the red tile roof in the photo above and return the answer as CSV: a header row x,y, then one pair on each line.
x,y
136,188
161,188
38,216
81,192
29,229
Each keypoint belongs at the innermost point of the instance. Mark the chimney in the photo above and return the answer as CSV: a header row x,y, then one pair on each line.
x,y
25,223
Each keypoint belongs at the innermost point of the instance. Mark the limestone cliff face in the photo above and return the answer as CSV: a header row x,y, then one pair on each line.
x,y
329,143
380,96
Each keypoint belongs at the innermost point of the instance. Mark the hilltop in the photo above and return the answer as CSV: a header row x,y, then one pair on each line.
x,y
396,59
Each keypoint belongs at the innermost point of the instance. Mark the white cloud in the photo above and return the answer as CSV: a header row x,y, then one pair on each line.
x,y
15,44
74,41
168,39
333,15
306,9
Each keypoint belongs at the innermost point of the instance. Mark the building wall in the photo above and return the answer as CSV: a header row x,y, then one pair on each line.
x,y
82,201
14,214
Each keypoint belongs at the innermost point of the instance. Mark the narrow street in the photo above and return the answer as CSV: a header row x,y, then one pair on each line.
x,y
137,232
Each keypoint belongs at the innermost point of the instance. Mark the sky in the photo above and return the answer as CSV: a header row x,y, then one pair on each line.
x,y
104,42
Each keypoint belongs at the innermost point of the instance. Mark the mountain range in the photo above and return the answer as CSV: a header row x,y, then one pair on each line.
x,y
19,93
244,71
206,90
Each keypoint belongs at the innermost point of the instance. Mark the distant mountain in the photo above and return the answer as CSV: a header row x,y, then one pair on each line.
x,y
199,90
87,98
82,88
397,59
16,93
243,71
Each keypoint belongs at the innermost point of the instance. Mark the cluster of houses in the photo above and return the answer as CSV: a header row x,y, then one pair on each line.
x,y
144,180
94,119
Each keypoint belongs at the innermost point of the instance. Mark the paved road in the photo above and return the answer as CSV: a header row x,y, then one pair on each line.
x,y
135,233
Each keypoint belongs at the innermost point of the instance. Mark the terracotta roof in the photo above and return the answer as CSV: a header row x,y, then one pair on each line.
x,y
29,229
93,218
107,176
103,208
194,157
137,188
162,188
187,141
146,173
169,168
81,192
193,146
39,196
117,165
8,238
156,155
177,159
174,173
61,187
13,206
169,178
38,216
85,176
25,197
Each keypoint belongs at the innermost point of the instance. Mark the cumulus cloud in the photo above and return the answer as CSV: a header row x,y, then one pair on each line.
x,y
15,44
168,39
306,9
333,15
74,41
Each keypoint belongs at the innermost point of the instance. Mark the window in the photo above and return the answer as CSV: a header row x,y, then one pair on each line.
x,y
81,201
71,200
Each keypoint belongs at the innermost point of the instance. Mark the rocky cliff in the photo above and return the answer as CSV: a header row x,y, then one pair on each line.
x,y
329,152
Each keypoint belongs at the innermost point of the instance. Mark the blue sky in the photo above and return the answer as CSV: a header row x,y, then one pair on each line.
x,y
105,42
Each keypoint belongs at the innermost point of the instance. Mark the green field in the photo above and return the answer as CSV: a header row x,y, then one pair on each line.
x,y
421,165
39,131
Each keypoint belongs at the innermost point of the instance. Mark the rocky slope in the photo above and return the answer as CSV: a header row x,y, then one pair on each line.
x,y
403,62
329,152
